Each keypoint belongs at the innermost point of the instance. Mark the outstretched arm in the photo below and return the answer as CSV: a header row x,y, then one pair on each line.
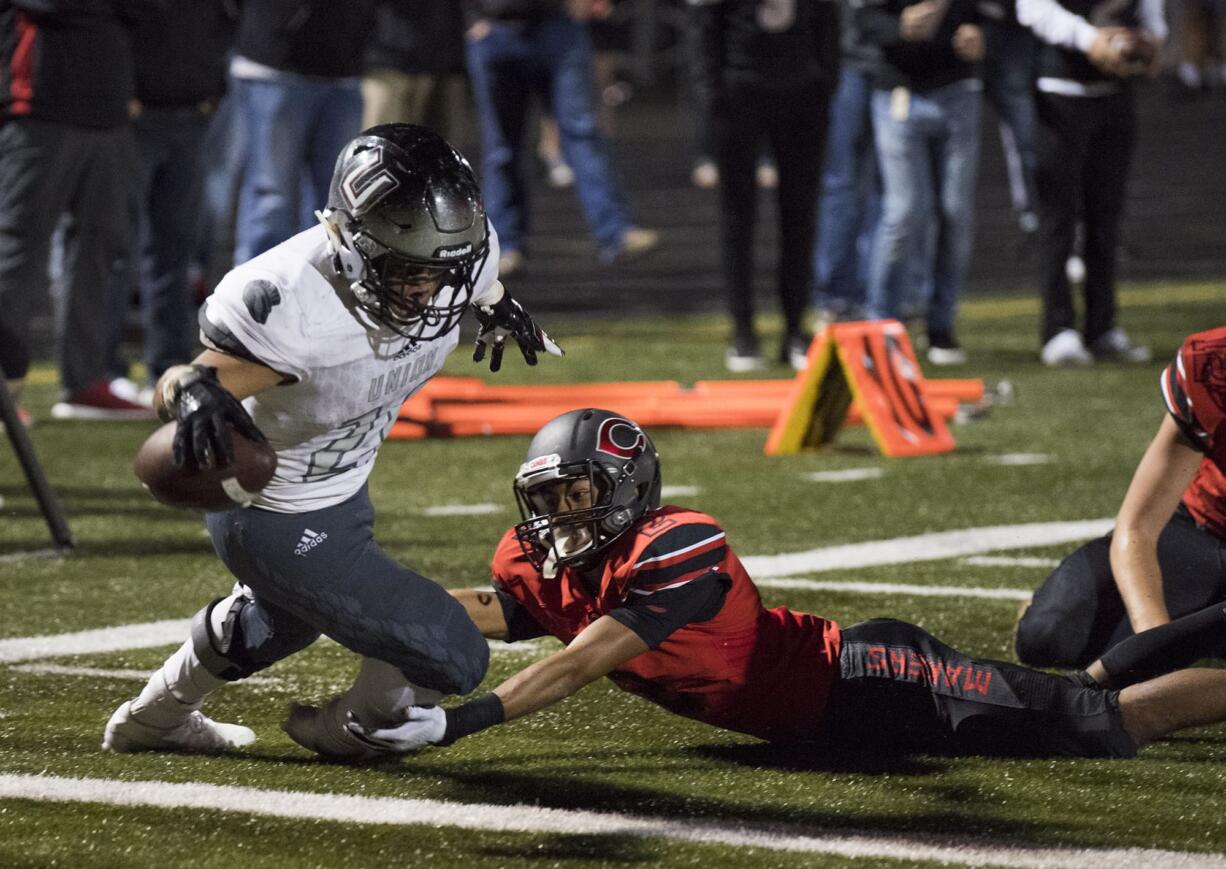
x,y
603,646
1166,469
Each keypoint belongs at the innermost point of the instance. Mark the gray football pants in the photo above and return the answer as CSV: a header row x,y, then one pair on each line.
x,y
323,572
48,170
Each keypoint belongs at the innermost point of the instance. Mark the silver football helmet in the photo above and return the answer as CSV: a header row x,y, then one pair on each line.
x,y
404,209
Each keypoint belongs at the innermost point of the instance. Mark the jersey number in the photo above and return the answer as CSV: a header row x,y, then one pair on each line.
x,y
347,450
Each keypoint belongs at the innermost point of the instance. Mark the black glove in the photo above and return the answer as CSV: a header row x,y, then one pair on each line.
x,y
204,408
508,317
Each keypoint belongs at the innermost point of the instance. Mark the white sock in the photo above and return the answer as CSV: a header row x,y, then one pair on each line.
x,y
176,689
380,693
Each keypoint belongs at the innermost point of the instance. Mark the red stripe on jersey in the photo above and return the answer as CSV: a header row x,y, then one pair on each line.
x,y
680,555
21,67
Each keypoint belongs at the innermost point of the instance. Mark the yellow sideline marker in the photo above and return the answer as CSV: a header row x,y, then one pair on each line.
x,y
871,364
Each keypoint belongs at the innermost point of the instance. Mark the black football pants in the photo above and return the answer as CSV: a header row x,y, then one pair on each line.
x,y
1077,613
901,690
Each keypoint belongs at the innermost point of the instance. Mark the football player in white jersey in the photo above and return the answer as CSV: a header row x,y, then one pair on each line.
x,y
314,346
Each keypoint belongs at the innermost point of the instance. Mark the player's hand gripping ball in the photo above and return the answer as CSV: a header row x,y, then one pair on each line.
x,y
213,488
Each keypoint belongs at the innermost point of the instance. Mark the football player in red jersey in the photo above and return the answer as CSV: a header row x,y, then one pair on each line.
x,y
654,598
1166,556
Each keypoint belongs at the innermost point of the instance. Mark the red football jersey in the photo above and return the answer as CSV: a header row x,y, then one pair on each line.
x,y
763,672
1194,389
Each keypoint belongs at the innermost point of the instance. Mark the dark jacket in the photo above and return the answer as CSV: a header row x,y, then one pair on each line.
x,y
919,66
68,61
181,55
418,36
324,38
734,46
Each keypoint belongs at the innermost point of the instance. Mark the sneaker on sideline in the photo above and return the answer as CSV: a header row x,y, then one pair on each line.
x,y
558,174
196,734
117,399
795,351
1065,348
767,176
744,355
704,175
945,350
636,243
1115,345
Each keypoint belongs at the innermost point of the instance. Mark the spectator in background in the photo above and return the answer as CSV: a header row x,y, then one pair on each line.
x,y
180,79
415,67
521,49
1087,127
850,203
66,147
1008,83
297,81
926,107
767,74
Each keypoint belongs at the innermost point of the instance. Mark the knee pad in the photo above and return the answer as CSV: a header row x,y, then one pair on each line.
x,y
213,631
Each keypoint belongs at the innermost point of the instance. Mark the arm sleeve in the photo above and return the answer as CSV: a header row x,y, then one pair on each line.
x,y
655,617
520,624
487,289
1055,25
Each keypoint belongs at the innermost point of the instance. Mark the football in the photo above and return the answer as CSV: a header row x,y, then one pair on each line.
x,y
210,489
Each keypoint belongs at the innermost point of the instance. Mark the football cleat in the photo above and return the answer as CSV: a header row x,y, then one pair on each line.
x,y
124,734
323,730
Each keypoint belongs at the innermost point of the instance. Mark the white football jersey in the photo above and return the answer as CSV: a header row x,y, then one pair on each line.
x,y
346,375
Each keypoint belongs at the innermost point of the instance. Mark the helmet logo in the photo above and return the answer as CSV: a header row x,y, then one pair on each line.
x,y
368,182
621,438
454,252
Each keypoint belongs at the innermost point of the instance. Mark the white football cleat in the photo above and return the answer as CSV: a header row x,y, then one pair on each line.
x,y
124,733
323,731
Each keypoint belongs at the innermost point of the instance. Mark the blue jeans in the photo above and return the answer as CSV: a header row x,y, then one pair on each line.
x,y
551,60
929,154
296,127
171,173
1008,83
850,205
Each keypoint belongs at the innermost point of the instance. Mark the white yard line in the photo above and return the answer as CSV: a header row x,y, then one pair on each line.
x,y
100,673
1019,459
678,492
462,510
770,568
144,636
534,819
1009,561
926,547
897,588
848,475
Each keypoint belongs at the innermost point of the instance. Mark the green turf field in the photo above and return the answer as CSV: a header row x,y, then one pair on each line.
x,y
683,793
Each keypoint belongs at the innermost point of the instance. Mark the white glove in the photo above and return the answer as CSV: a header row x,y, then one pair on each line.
x,y
424,725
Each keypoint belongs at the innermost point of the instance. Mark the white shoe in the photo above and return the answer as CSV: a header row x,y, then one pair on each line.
x,y
323,731
739,362
1065,348
1115,344
124,733
946,355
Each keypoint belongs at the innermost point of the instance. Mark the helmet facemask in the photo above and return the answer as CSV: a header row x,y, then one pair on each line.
x,y
378,273
404,209
552,535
